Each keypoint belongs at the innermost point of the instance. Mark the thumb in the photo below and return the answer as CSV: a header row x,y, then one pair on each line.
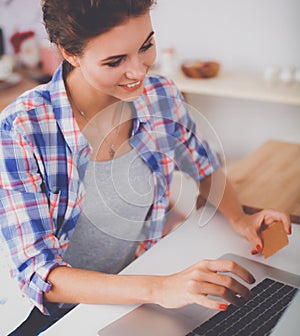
x,y
256,242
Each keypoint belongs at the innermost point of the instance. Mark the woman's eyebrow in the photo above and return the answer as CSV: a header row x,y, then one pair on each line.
x,y
123,55
148,38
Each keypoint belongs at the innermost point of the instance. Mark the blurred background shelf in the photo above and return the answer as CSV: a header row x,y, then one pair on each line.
x,y
240,85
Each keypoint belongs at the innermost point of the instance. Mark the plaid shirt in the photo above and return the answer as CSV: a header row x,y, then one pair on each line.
x,y
41,192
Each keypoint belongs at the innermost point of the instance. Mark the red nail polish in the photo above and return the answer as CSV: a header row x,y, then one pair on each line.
x,y
253,252
259,248
223,306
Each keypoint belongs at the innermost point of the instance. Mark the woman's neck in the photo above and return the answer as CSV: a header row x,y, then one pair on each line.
x,y
86,99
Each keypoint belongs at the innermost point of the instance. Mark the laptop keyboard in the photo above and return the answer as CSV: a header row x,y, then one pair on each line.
x,y
257,316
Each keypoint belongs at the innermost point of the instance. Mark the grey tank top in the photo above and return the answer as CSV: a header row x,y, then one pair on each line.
x,y
119,194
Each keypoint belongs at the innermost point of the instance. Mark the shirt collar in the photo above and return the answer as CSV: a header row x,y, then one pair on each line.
x,y
141,109
67,122
63,112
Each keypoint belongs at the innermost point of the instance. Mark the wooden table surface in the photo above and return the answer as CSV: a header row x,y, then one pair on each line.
x,y
269,178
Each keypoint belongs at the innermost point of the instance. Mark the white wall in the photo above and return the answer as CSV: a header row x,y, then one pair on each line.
x,y
247,34
244,125
241,34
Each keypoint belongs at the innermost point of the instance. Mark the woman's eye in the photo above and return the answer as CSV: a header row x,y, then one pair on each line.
x,y
146,47
114,64
117,62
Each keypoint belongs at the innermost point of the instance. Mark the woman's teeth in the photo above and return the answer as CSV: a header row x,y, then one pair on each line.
x,y
133,84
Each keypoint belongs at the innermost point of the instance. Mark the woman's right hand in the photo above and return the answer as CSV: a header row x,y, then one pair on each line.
x,y
194,284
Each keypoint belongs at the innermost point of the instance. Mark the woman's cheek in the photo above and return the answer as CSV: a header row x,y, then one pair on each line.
x,y
151,57
102,78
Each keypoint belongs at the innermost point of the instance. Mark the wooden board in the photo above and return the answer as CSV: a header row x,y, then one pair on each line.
x,y
269,178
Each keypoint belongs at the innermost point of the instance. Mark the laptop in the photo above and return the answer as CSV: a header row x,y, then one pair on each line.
x,y
289,321
259,316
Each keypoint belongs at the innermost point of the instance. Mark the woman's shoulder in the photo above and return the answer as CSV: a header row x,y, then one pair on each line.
x,y
25,106
25,102
29,106
163,86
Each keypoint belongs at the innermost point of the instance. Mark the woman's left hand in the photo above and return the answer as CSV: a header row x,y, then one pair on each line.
x,y
250,226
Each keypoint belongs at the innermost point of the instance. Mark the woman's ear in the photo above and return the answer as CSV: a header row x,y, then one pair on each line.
x,y
72,59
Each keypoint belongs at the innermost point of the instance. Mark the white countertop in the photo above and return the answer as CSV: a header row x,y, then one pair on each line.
x,y
184,246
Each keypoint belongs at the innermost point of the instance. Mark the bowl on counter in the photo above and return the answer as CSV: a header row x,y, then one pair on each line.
x,y
200,69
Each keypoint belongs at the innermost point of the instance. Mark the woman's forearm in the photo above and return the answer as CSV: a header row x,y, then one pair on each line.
x,y
218,190
189,286
73,285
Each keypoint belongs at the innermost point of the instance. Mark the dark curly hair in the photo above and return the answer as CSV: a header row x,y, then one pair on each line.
x,y
72,23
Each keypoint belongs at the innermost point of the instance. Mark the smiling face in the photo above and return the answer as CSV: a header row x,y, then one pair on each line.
x,y
115,63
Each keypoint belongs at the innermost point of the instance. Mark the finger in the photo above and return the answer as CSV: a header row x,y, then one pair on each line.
x,y
268,220
229,266
251,232
228,287
264,219
257,250
253,252
221,291
210,303
256,241
271,215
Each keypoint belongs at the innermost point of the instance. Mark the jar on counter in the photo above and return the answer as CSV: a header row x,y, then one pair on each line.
x,y
168,62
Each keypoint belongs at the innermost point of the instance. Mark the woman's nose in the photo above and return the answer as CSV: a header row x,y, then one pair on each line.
x,y
137,68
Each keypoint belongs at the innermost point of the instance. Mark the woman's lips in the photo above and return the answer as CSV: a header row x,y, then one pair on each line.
x,y
132,86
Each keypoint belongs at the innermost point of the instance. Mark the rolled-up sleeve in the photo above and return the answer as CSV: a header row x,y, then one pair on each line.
x,y
27,227
193,154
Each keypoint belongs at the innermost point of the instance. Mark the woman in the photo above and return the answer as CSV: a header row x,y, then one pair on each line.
x,y
68,215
